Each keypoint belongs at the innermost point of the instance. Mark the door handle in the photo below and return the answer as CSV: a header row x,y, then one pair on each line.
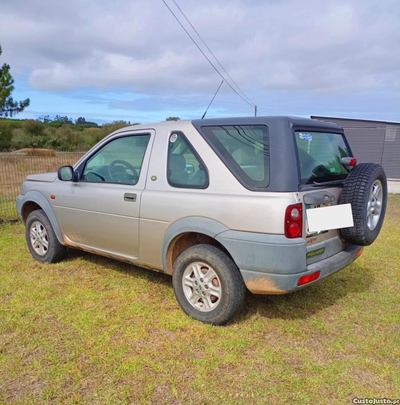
x,y
130,197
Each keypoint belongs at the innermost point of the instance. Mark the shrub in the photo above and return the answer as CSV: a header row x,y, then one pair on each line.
x,y
58,135
33,128
33,135
69,140
91,136
5,136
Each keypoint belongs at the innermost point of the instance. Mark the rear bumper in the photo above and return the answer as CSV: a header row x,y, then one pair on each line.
x,y
272,283
273,264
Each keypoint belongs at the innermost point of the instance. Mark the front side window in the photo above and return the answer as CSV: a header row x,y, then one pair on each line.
x,y
319,156
185,169
244,149
119,161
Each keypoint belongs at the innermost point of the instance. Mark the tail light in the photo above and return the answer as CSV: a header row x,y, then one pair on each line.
x,y
348,161
294,221
308,278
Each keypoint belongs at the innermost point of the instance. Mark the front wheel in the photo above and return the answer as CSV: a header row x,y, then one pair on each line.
x,y
208,285
42,240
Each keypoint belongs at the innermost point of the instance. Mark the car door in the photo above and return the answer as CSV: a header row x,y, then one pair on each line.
x,y
178,179
101,210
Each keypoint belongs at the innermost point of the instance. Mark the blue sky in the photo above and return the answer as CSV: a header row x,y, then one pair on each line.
x,y
130,60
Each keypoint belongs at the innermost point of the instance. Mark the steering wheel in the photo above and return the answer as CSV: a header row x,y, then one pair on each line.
x,y
94,174
114,174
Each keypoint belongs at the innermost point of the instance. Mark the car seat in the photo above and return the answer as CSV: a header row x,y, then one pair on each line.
x,y
177,169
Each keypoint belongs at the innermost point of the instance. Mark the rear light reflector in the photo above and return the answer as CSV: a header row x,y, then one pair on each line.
x,y
308,278
358,254
294,221
353,162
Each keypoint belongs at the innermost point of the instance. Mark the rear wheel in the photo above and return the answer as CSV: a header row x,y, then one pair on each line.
x,y
366,190
208,285
42,240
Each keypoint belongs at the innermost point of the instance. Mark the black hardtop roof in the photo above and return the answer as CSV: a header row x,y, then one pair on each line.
x,y
284,173
274,120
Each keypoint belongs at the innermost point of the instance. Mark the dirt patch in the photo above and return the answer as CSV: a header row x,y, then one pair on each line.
x,y
263,286
35,152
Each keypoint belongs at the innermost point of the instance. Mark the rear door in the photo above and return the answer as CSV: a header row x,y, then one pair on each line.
x,y
101,210
321,175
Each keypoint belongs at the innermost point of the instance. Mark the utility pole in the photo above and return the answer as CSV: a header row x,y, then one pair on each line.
x,y
255,111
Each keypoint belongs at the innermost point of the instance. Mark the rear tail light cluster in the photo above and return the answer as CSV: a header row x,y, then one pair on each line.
x,y
294,221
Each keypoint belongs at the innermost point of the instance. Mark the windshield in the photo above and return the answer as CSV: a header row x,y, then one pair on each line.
x,y
319,156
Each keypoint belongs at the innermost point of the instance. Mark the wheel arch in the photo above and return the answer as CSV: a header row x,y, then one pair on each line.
x,y
188,232
33,200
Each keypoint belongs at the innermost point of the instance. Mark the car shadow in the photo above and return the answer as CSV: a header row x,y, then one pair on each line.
x,y
301,304
310,300
130,269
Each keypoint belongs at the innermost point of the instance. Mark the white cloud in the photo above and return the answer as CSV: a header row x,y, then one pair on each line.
x,y
331,47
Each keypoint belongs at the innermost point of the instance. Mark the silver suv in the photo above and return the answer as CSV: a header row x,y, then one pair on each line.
x,y
222,205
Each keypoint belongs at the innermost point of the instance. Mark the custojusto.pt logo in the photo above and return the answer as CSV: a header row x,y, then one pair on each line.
x,y
375,401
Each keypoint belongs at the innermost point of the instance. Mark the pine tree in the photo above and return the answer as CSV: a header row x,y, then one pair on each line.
x,y
9,107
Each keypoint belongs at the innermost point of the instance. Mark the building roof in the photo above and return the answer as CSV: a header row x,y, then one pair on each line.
x,y
317,117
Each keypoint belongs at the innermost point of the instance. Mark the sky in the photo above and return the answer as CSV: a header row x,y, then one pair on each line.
x,y
131,60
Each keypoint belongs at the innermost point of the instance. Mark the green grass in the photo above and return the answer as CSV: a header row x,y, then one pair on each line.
x,y
93,330
8,209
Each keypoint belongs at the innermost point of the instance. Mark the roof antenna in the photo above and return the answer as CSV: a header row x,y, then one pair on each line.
x,y
212,99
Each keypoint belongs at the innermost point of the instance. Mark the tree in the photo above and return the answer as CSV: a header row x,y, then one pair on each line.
x,y
9,107
80,120
45,119
64,120
172,119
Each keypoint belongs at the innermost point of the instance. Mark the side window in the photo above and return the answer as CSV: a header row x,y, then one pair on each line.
x,y
119,161
244,149
185,168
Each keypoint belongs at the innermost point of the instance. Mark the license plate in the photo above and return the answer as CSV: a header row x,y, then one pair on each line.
x,y
327,218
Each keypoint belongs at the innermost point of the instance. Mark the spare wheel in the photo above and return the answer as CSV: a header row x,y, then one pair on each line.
x,y
366,190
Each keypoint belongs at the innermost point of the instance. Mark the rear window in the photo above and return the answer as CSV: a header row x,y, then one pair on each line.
x,y
244,149
319,156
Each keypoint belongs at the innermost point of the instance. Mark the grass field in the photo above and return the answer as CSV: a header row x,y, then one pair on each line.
x,y
93,330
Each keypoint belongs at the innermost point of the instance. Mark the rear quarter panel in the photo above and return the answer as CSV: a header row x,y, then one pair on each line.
x,y
225,201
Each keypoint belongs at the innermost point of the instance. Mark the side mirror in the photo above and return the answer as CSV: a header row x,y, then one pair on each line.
x,y
66,173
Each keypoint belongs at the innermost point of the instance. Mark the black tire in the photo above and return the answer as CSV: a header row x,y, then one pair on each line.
x,y
231,284
356,191
55,252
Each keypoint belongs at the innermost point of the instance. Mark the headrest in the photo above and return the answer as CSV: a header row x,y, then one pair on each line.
x,y
177,162
244,157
